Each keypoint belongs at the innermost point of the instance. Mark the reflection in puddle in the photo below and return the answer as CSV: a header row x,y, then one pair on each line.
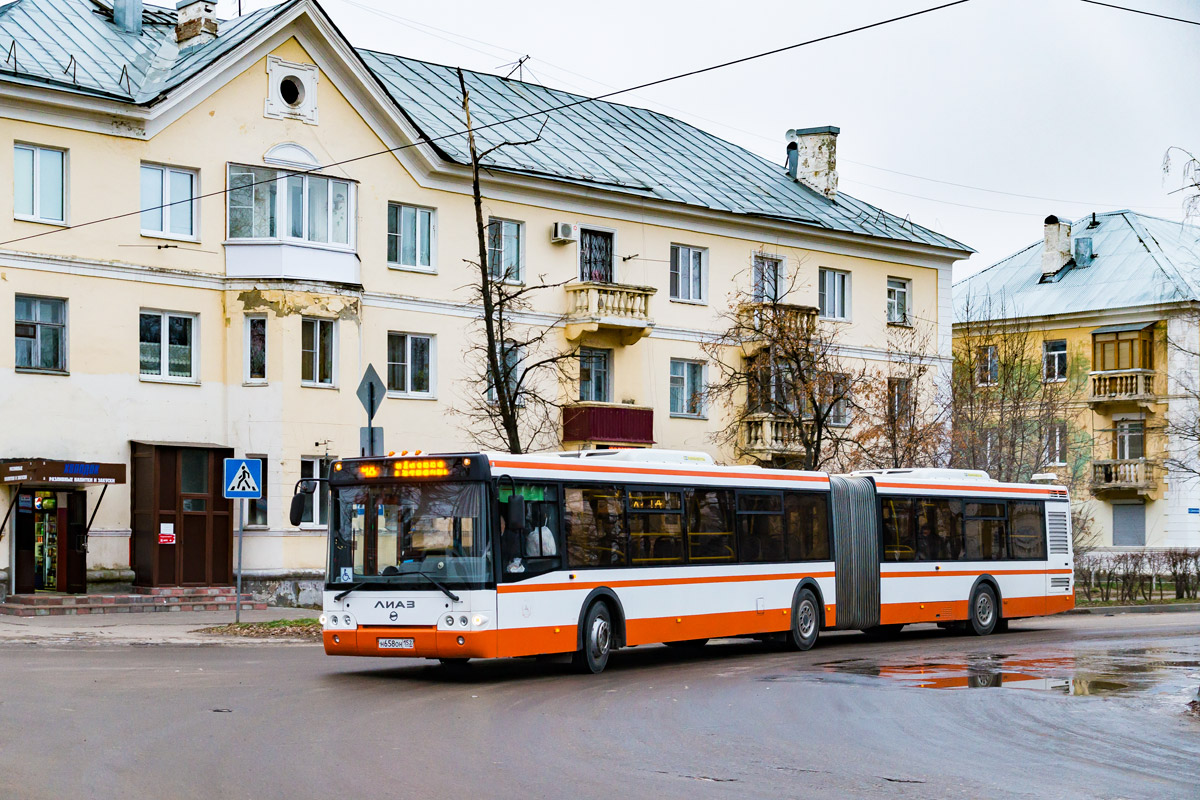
x,y
1109,672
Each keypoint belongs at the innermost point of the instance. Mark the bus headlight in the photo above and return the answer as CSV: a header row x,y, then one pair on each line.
x,y
463,621
323,620
449,620
479,619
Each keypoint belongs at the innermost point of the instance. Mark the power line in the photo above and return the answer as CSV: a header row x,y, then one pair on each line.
x,y
1140,11
518,118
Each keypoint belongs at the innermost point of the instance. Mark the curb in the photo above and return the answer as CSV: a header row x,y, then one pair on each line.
x,y
1151,608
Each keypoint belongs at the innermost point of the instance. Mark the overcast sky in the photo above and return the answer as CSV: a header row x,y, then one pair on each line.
x,y
1033,106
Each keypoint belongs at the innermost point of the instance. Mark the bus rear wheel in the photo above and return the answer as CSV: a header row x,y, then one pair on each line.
x,y
806,622
597,640
985,611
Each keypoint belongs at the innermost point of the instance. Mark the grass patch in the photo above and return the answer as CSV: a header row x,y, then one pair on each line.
x,y
1097,603
307,628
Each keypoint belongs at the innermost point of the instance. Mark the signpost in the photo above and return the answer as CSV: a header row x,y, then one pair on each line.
x,y
370,394
243,481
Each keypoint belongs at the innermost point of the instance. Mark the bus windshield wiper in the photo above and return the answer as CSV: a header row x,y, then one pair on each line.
x,y
438,584
353,588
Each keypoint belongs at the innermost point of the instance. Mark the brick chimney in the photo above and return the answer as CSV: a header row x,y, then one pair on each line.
x,y
812,158
196,22
1056,247
127,14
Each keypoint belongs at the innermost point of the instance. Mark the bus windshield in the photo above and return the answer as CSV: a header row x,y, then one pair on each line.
x,y
395,534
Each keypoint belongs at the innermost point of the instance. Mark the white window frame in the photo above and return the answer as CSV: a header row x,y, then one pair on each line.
x,y
838,415
431,267
1056,444
616,260
608,370
316,382
282,217
1124,435
65,369
37,150
757,289
838,311
1046,356
520,276
676,269
987,356
265,461
319,509
698,392
247,378
893,301
165,171
164,361
519,350
408,392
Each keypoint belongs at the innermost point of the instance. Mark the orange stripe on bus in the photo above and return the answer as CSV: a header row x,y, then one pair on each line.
x,y
962,573
515,588
706,626
977,489
648,471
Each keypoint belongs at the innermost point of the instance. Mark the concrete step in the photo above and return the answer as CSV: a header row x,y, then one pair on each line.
x,y
27,610
177,591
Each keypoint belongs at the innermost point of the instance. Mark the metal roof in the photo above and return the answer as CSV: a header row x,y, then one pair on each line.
x,y
73,45
1138,260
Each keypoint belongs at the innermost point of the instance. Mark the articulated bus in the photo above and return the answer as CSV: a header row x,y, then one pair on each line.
x,y
483,555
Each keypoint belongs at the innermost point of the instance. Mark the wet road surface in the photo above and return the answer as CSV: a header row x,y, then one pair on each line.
x,y
1080,706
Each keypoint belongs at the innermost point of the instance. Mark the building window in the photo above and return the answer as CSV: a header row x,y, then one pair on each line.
x,y
1123,350
270,204
168,201
256,510
504,249
41,333
687,388
256,349
410,236
768,279
1054,361
39,183
1056,444
317,352
315,505
594,370
596,256
897,301
833,291
839,394
167,345
410,364
987,366
1130,440
511,355
688,279
900,401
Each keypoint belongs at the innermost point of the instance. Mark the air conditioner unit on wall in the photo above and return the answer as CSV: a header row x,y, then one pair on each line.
x,y
561,232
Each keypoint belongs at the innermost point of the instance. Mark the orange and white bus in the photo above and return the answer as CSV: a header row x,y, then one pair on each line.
x,y
480,555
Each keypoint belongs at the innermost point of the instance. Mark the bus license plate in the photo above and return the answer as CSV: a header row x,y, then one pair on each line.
x,y
395,644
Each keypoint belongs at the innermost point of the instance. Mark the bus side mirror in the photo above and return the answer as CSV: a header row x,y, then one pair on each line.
x,y
296,512
514,514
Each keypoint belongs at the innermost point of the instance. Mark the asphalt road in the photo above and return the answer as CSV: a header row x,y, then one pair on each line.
x,y
1075,707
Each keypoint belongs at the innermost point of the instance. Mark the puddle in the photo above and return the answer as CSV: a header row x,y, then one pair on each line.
x,y
1102,672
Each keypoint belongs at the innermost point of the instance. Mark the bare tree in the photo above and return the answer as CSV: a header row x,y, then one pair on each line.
x,y
1189,173
903,416
519,364
1182,420
783,380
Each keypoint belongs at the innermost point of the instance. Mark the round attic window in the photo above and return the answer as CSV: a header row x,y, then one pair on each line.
x,y
291,89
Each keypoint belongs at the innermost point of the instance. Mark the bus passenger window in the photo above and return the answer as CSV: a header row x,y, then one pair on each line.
x,y
807,524
1027,535
985,532
594,526
939,530
760,527
655,528
896,527
540,539
710,526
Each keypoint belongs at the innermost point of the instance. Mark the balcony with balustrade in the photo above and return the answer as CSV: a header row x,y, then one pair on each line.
x,y
759,323
592,306
1113,475
766,436
1122,386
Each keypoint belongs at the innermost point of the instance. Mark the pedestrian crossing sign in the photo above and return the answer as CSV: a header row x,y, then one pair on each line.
x,y
243,478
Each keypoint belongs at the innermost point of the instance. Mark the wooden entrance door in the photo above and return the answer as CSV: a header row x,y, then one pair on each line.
x,y
72,547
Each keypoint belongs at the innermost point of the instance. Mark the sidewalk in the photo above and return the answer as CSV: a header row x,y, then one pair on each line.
x,y
179,627
1147,608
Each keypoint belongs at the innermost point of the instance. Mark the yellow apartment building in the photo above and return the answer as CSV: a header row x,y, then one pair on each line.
x,y
215,226
1118,293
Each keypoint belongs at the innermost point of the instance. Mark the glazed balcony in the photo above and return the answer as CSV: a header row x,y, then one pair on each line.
x,y
592,306
1122,475
608,423
1122,386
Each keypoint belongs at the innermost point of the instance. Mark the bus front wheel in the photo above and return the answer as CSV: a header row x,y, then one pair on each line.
x,y
806,621
597,640
985,611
